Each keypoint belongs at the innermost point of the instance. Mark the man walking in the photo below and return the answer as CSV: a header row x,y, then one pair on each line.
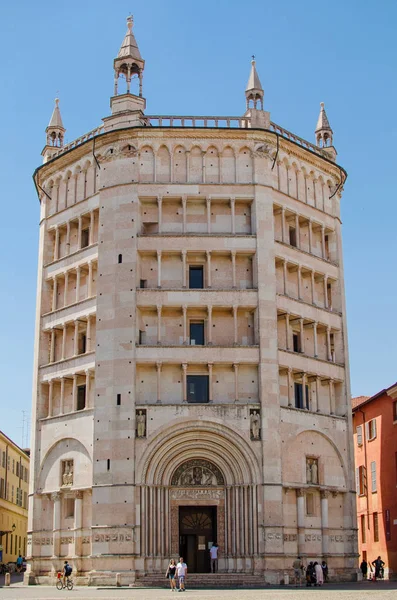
x,y
181,571
214,557
298,569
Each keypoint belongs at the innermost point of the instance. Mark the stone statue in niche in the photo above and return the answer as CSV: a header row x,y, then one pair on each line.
x,y
312,470
255,424
197,473
140,423
67,472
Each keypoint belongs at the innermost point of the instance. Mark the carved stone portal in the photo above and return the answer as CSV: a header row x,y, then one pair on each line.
x,y
197,473
67,472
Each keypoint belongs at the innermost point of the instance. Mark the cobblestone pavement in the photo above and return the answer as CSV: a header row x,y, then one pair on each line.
x,y
361,591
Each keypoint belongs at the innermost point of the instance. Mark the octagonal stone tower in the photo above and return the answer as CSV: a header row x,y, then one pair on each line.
x,y
191,379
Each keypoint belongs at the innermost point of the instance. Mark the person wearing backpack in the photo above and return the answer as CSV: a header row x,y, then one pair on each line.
x,y
67,571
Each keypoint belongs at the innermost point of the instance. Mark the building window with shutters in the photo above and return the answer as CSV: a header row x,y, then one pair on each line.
x,y
373,476
376,527
359,432
361,480
371,430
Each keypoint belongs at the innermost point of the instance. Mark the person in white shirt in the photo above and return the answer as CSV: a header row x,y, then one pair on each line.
x,y
181,571
214,557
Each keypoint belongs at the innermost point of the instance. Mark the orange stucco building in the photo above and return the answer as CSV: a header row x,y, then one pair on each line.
x,y
375,452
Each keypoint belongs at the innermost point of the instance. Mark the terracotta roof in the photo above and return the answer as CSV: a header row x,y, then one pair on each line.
x,y
359,400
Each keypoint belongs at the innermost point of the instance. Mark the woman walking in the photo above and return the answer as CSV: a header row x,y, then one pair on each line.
x,y
171,574
318,570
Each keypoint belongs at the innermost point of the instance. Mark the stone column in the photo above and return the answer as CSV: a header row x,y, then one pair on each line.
x,y
159,308
331,397
233,253
297,229
315,341
77,284
184,201
52,346
325,291
290,387
210,387
56,193
324,522
184,268
318,383
88,334
283,224
89,285
184,381
158,370
299,282
304,384
56,243
184,311
287,334
65,291
56,523
208,253
76,339
313,289
323,241
285,275
64,332
50,397
209,214
78,522
302,335
235,367
54,293
79,227
75,177
68,238
87,388
160,213
74,393
209,328
310,237
91,233
159,268
233,213
235,309
62,398
300,508
329,355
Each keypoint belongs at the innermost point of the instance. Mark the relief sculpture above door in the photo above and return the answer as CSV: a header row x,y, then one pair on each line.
x,y
197,472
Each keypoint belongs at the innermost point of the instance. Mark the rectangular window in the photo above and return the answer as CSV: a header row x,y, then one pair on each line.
x,y
196,278
363,530
13,465
8,462
292,236
361,480
17,470
376,527
2,488
197,333
373,476
7,543
394,412
371,429
197,388
359,431
143,284
69,508
3,460
142,337
300,401
85,238
310,504
296,340
25,500
82,343
81,397
12,493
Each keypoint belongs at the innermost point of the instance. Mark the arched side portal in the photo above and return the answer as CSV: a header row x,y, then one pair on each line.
x,y
200,475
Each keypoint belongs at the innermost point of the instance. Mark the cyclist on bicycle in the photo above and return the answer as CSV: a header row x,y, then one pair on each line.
x,y
67,571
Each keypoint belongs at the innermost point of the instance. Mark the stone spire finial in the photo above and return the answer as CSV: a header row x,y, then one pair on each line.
x,y
55,130
129,61
254,91
323,131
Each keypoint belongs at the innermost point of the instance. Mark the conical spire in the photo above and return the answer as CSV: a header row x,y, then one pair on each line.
x,y
254,92
323,129
129,61
56,119
129,47
55,130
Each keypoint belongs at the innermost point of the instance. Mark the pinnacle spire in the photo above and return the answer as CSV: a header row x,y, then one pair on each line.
x,y
129,61
323,130
56,119
55,130
254,91
129,47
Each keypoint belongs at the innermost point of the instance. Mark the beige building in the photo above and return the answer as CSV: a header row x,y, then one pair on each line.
x,y
14,487
191,364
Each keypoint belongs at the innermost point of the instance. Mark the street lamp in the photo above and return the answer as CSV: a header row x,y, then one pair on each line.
x,y
13,528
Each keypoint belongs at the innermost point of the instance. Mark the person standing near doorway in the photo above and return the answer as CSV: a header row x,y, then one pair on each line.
x,y
364,568
181,571
171,571
214,557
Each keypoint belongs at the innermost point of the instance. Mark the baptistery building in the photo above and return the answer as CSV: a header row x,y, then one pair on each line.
x,y
191,380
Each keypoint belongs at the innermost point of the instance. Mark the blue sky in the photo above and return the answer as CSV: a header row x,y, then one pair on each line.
x,y
197,62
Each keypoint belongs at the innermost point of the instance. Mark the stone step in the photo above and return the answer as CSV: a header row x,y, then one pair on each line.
x,y
205,580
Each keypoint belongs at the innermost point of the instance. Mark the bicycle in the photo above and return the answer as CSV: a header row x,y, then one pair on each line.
x,y
63,586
